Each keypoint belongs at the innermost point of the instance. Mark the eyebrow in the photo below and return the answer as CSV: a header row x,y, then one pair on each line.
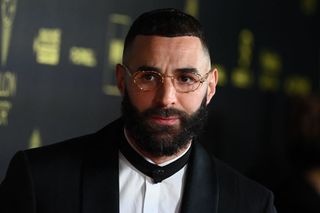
x,y
184,70
188,70
148,68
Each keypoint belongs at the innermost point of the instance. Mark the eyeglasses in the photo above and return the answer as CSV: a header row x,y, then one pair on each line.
x,y
182,81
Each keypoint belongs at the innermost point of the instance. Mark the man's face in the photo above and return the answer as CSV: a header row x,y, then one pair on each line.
x,y
167,55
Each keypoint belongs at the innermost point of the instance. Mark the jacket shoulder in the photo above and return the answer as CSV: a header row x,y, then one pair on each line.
x,y
41,177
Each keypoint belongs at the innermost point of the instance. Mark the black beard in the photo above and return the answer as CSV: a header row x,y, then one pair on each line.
x,y
162,140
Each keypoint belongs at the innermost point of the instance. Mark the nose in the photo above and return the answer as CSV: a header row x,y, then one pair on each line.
x,y
166,94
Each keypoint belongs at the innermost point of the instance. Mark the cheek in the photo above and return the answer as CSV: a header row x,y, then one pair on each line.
x,y
191,102
141,100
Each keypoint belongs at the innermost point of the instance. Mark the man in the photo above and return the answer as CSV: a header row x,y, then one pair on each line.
x,y
150,159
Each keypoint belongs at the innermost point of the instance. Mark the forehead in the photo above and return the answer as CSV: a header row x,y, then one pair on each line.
x,y
167,52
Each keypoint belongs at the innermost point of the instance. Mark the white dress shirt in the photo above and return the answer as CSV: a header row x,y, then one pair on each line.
x,y
138,193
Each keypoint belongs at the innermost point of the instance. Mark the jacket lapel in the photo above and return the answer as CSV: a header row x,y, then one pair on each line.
x,y
100,183
201,193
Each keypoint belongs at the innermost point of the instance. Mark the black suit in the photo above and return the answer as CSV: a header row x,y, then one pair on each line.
x,y
81,175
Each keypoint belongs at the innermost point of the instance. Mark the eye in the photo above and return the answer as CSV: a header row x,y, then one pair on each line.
x,y
187,78
147,76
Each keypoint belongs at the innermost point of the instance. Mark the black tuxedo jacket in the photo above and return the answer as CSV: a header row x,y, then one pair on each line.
x,y
81,176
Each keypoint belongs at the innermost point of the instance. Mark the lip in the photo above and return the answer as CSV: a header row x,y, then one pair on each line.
x,y
172,120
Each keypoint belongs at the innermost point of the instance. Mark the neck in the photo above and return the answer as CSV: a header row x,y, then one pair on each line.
x,y
156,159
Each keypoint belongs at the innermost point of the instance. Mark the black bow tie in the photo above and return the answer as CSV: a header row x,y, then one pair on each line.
x,y
157,173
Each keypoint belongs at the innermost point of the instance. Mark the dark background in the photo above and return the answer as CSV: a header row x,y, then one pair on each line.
x,y
276,42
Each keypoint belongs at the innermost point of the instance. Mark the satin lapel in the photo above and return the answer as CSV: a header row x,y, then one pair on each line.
x,y
201,193
100,172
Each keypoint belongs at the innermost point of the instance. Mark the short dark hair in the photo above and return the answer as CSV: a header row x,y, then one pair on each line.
x,y
168,22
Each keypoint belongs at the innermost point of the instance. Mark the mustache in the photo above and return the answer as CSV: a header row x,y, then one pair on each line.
x,y
164,112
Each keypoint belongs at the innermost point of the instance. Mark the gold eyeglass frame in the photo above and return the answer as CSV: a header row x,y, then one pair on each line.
x,y
132,75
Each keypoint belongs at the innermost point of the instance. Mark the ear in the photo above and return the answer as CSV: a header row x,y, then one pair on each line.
x,y
120,77
212,83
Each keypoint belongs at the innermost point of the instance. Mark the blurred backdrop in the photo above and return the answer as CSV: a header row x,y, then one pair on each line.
x,y
57,73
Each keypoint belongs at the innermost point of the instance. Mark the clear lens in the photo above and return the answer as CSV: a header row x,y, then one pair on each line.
x,y
147,80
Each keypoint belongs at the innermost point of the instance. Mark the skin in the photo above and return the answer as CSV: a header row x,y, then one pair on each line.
x,y
167,54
